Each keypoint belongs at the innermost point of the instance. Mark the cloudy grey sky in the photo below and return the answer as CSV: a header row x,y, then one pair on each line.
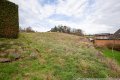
x,y
92,16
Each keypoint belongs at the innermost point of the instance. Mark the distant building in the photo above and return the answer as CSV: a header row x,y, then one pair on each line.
x,y
9,24
102,36
107,39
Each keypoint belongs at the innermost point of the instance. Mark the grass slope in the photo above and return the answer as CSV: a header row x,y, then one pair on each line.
x,y
52,56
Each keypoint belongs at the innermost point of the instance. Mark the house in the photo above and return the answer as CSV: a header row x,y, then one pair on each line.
x,y
107,39
9,24
102,36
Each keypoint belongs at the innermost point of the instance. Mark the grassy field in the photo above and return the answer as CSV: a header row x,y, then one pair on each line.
x,y
53,56
112,54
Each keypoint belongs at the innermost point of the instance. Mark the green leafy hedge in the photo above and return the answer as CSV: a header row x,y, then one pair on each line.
x,y
9,24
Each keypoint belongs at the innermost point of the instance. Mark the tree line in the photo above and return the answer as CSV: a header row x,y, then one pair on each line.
x,y
59,28
28,29
66,29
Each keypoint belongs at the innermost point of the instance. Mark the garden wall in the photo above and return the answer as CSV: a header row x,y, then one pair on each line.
x,y
9,24
105,42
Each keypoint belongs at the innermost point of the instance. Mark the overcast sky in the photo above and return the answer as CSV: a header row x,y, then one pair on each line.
x,y
92,16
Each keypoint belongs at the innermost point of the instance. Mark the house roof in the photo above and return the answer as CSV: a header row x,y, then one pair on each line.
x,y
116,35
102,34
117,32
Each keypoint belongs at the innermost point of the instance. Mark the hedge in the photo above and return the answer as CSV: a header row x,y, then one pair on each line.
x,y
9,24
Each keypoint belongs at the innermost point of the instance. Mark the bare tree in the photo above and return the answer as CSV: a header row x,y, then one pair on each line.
x,y
66,29
29,29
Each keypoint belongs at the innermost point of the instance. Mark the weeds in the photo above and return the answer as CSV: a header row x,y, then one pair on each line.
x,y
54,56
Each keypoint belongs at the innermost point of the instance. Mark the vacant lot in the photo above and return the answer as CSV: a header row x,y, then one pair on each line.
x,y
53,56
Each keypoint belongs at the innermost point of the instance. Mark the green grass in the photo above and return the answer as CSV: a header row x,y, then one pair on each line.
x,y
59,57
112,54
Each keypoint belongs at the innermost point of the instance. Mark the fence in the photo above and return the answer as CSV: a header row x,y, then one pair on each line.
x,y
105,42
